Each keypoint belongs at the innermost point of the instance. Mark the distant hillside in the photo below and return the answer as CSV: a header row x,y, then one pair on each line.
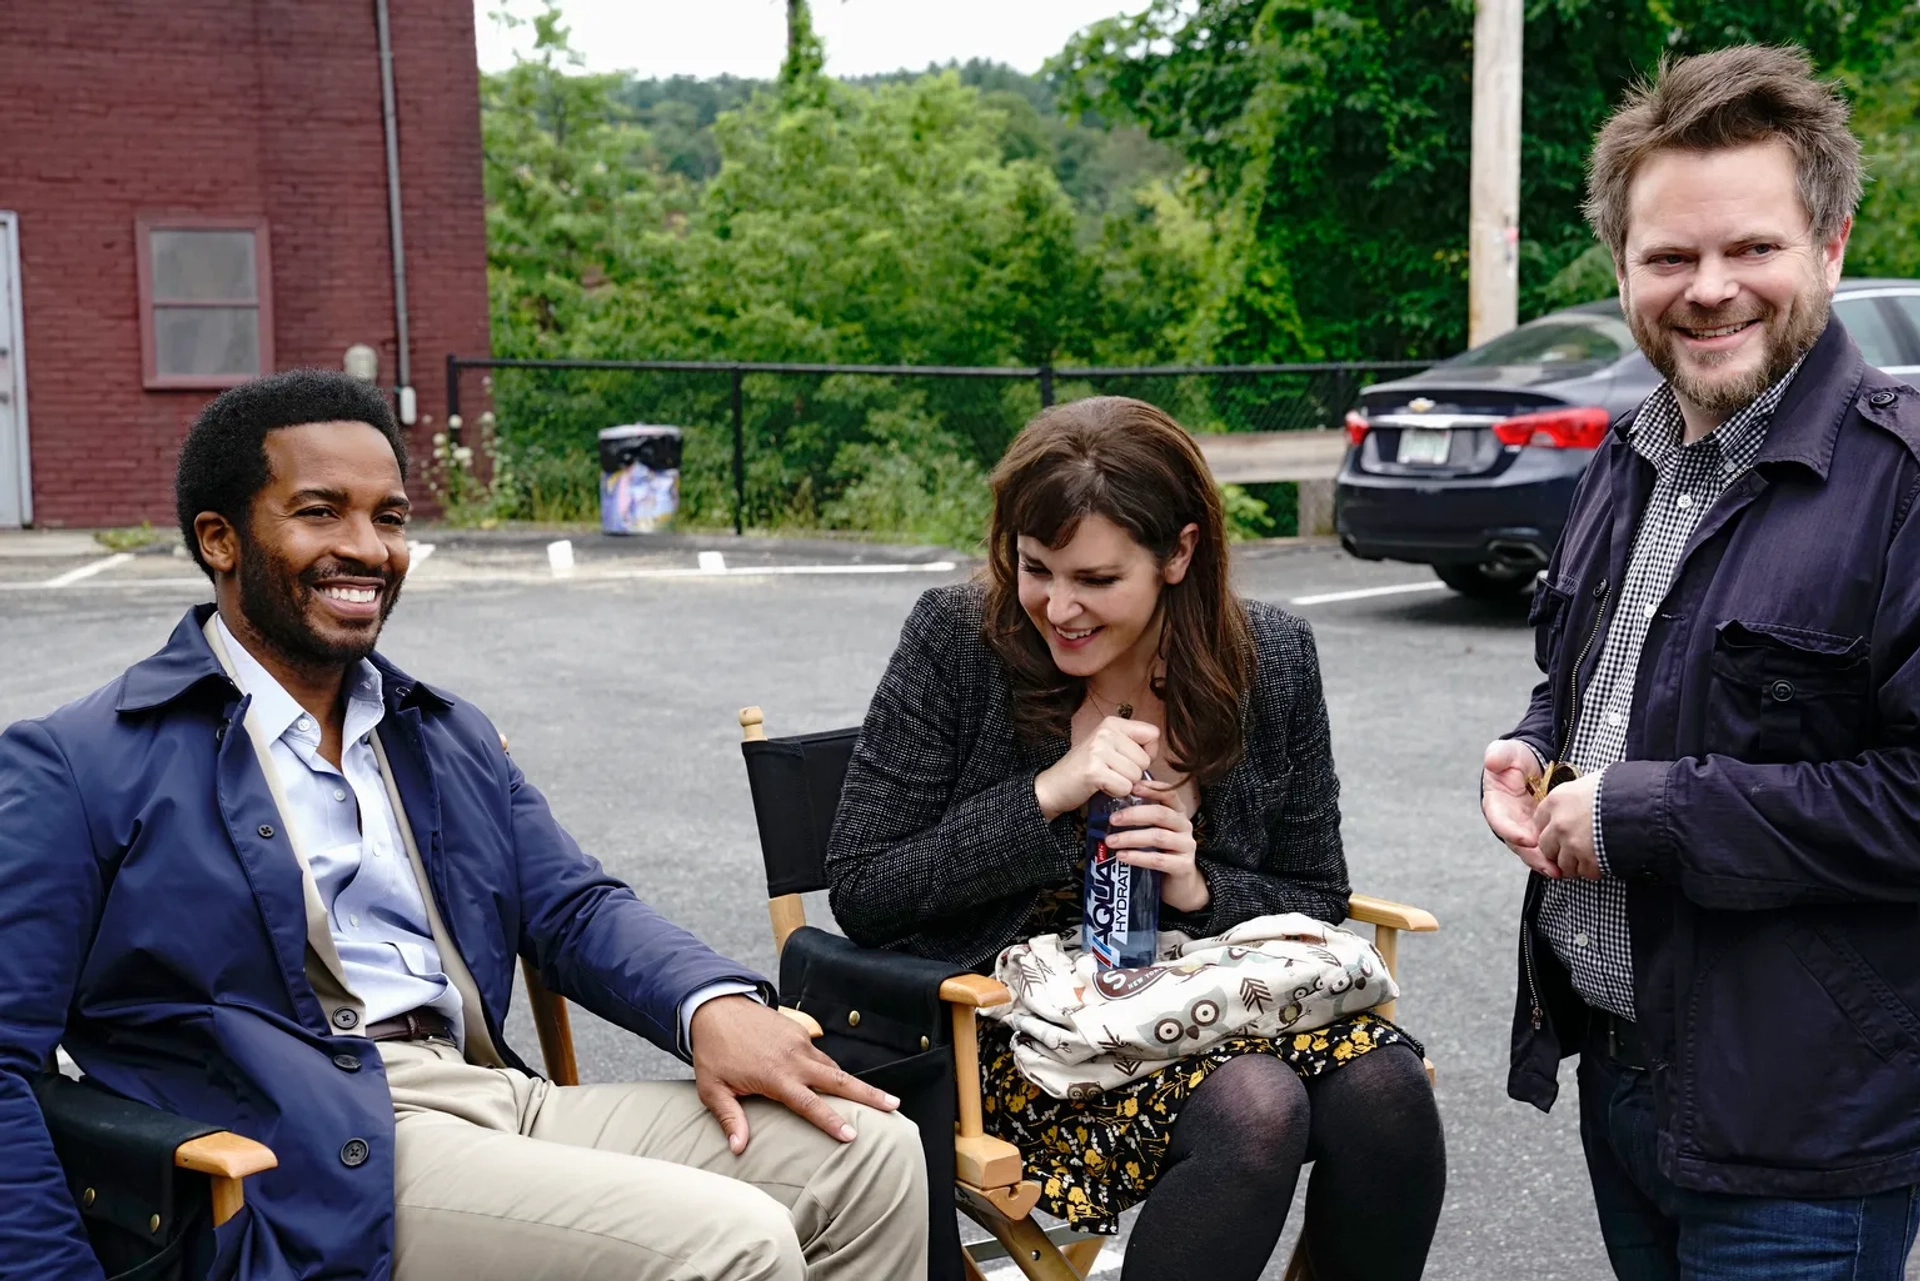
x,y
1097,164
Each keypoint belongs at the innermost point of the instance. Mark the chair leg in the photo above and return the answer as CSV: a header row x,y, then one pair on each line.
x,y
1082,1253
1037,1257
972,1269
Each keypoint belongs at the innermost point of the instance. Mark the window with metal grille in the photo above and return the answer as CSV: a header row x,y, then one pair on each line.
x,y
206,309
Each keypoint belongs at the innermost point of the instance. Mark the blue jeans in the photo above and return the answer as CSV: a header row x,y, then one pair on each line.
x,y
1658,1232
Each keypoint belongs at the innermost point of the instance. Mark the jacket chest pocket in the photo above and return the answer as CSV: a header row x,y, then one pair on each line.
x,y
1779,694
1547,615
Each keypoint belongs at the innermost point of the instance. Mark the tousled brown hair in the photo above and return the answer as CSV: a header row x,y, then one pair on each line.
x,y
1129,462
1729,98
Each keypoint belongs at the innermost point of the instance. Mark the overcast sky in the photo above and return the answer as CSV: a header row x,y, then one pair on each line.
x,y
748,37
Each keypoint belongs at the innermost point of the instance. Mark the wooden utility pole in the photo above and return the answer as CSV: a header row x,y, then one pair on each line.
x,y
1493,218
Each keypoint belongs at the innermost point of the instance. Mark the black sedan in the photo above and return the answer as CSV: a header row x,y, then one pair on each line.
x,y
1470,466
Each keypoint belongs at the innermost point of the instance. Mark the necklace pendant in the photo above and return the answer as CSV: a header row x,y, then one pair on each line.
x,y
1124,711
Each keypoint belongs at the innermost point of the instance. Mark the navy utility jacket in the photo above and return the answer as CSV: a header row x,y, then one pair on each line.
x,y
151,920
1766,820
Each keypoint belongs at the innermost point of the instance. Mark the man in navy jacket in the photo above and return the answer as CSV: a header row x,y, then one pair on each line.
x,y
1717,786
268,881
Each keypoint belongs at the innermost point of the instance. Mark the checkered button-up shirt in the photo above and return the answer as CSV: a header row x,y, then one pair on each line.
x,y
1585,922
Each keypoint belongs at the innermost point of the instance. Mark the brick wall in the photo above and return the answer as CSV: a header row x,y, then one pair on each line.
x,y
117,108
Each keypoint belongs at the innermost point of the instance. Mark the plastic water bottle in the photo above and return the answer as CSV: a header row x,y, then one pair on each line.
x,y
1120,920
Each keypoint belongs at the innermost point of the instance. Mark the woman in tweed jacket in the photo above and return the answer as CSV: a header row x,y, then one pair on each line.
x,y
1105,652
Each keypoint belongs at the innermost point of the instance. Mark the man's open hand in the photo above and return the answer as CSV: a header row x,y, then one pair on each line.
x,y
1506,801
741,1047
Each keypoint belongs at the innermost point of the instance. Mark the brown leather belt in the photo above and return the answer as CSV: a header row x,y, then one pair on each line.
x,y
415,1025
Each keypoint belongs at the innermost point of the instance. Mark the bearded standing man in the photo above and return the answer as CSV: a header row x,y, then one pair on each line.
x,y
1722,919
268,881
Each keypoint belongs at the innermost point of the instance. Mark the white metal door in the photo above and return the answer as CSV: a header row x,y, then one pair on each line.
x,y
16,482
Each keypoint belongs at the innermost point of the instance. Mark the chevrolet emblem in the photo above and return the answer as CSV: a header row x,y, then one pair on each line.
x,y
1420,404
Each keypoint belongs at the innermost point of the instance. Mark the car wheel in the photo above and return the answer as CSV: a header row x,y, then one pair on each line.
x,y
1483,584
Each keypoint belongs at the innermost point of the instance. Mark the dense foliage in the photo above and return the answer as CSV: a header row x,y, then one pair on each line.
x,y
1202,180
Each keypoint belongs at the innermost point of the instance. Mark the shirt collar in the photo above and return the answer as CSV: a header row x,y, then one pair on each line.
x,y
1659,428
281,714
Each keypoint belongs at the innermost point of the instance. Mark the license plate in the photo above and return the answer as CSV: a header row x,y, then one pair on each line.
x,y
1424,446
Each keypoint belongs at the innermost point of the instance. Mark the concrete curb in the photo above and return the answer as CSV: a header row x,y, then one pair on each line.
x,y
592,541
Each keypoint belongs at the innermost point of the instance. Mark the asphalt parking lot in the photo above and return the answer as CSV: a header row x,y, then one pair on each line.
x,y
619,686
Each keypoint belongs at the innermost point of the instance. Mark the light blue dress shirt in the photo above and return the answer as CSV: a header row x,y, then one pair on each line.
x,y
352,841
346,825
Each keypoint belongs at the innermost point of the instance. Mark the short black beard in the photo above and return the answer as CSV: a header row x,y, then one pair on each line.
x,y
271,599
1787,339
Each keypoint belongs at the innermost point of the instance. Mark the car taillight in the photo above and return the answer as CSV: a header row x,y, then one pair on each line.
x,y
1356,426
1582,428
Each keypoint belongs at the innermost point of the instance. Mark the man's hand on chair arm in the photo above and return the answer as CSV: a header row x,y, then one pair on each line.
x,y
740,1048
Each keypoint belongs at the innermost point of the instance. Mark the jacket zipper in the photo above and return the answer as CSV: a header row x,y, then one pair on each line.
x,y
1566,744
1573,677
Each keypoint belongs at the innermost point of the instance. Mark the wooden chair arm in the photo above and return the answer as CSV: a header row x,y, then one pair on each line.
x,y
224,1155
227,1158
805,1020
975,992
1396,916
980,1160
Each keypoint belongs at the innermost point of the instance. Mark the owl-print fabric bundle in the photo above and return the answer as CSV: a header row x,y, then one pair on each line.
x,y
1078,1030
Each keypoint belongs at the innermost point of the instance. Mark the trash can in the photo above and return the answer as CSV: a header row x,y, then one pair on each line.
x,y
639,478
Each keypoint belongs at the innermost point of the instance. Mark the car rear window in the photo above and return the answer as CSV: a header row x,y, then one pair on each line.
x,y
1569,338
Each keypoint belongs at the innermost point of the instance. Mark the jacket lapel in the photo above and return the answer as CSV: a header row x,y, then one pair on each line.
x,y
321,963
479,1048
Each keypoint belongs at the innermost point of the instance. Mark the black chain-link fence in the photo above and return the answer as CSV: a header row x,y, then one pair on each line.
x,y
899,450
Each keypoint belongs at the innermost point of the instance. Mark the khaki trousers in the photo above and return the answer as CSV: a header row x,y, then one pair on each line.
x,y
504,1177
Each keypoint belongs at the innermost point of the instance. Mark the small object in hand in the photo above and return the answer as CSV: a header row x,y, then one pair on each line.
x,y
1557,773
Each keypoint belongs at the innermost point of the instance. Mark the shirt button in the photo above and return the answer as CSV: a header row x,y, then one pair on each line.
x,y
346,1019
1613,719
353,920
339,793
347,1062
354,1153
1649,611
1683,502
1580,939
303,724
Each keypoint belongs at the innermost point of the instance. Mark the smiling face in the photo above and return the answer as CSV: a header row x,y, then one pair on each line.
x,y
321,560
1095,600
1721,280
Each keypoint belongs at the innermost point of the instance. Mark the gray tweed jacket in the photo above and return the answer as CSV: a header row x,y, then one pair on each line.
x,y
939,847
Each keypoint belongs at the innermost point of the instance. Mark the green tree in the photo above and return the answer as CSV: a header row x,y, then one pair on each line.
x,y
1331,137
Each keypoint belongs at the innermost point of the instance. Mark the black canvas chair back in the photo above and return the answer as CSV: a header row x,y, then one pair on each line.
x,y
796,788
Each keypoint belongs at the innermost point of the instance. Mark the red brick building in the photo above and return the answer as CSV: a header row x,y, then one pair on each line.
x,y
195,191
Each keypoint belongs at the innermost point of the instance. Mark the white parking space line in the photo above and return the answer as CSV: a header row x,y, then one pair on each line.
x,y
713,562
1367,593
419,551
88,570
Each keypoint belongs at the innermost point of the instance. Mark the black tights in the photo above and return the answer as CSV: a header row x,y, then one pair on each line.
x,y
1380,1166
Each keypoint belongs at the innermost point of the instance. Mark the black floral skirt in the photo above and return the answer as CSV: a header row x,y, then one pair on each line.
x,y
1094,1159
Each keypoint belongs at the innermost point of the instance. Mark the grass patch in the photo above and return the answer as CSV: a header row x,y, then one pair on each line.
x,y
130,539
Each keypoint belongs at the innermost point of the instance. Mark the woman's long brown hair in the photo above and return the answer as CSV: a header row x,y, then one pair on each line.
x,y
1125,460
